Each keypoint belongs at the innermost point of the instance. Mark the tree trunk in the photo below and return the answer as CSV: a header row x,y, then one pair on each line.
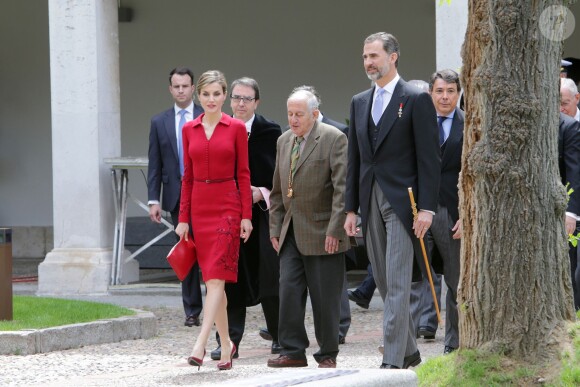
x,y
515,288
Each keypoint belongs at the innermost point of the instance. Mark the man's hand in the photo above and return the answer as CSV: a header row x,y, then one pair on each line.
x,y
245,229
331,245
275,244
350,224
422,224
182,230
155,213
458,229
256,195
570,225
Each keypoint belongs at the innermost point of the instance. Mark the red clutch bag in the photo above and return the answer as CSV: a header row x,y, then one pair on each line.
x,y
182,257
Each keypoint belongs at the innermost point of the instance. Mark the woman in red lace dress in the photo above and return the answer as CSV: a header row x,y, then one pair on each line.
x,y
216,199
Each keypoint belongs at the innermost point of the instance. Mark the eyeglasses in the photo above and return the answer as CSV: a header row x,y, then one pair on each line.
x,y
239,98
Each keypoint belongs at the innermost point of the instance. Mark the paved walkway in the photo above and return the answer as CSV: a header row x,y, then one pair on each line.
x,y
161,360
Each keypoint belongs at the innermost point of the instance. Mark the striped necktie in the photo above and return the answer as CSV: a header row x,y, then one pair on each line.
x,y
295,155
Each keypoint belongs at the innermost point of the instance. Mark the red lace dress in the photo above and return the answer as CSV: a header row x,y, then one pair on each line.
x,y
210,199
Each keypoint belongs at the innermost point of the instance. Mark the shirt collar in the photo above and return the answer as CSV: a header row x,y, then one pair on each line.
x,y
189,109
249,123
389,87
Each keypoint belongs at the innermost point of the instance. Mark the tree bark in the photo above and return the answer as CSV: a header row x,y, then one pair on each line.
x,y
515,289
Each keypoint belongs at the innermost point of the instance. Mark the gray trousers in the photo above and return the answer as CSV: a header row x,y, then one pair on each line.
x,y
390,252
449,251
422,306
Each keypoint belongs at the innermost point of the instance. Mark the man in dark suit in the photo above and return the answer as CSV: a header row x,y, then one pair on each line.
x,y
166,168
569,164
392,145
445,89
258,265
306,218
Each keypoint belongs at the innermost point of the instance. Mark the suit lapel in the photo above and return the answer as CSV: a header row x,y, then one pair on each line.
x,y
256,128
363,112
391,113
169,123
311,143
454,140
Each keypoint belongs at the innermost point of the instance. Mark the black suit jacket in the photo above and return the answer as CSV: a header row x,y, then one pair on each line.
x,y
258,265
451,166
406,154
343,128
569,159
164,160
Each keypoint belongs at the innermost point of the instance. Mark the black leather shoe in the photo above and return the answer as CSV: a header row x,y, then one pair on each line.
x,y
358,298
426,332
448,350
265,334
412,360
386,366
341,339
276,347
216,354
191,321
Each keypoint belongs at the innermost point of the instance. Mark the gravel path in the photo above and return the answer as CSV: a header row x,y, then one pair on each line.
x,y
161,360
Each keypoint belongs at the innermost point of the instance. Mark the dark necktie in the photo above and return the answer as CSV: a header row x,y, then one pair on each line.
x,y
441,130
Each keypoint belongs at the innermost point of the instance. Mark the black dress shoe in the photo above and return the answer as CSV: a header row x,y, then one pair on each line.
x,y
358,298
412,360
341,339
276,348
448,350
265,334
216,354
426,332
191,321
386,366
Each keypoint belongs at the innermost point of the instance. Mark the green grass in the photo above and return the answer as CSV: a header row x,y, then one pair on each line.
x,y
475,368
39,312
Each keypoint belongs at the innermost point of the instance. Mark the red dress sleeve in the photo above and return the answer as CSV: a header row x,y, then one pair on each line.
x,y
243,172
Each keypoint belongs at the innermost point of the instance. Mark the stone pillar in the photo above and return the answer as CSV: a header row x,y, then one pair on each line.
x,y
450,27
85,106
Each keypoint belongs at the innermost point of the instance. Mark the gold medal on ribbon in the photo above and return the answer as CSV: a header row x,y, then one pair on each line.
x,y
290,192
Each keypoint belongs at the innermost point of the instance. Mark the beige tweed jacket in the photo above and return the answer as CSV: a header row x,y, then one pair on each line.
x,y
316,207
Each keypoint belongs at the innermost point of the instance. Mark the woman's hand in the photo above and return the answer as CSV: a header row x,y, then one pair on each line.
x,y
245,229
182,230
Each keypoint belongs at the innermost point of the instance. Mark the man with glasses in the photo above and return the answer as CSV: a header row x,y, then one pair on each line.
x,y
258,266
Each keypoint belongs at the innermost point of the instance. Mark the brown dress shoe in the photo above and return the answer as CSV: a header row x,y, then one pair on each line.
x,y
285,361
327,363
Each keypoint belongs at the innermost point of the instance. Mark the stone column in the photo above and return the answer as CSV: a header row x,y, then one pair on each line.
x,y
450,27
85,106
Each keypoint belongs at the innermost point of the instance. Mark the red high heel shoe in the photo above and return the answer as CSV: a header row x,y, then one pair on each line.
x,y
194,361
227,365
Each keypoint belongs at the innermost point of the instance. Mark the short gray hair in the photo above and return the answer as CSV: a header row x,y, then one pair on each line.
x,y
568,84
419,84
306,95
310,89
390,43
